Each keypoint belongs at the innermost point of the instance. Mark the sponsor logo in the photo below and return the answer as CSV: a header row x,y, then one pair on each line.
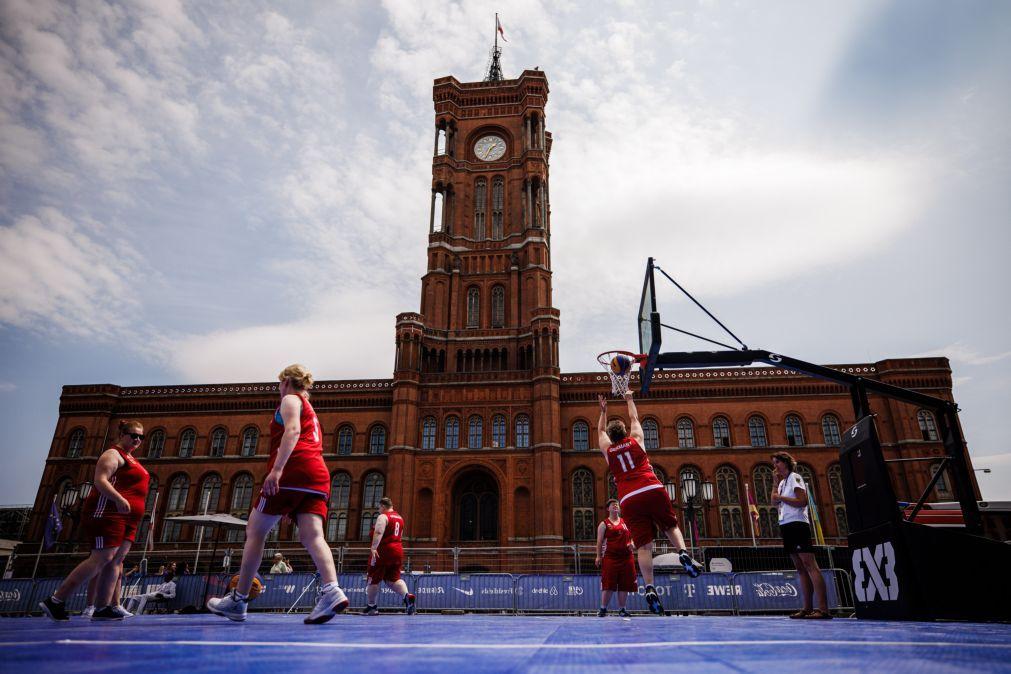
x,y
496,590
775,358
854,431
723,590
766,590
10,595
661,590
689,590
469,593
552,591
574,591
874,573
430,590
288,589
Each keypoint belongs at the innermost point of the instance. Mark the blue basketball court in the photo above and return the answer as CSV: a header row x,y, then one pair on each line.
x,y
483,643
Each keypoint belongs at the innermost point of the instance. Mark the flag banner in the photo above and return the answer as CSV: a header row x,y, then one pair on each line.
x,y
752,506
498,27
53,526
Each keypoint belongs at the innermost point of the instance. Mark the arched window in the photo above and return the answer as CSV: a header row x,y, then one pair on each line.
x,y
372,491
242,494
152,493
473,308
452,433
830,430
428,433
794,431
686,433
75,444
838,498
700,520
721,432
475,432
807,474
210,493
179,491
480,204
583,507
497,203
340,502
218,438
928,428
377,440
345,437
250,438
764,480
522,431
756,431
156,444
497,307
187,442
498,431
650,434
729,495
941,487
581,436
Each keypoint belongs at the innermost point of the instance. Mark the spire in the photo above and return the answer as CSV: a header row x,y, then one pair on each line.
x,y
495,56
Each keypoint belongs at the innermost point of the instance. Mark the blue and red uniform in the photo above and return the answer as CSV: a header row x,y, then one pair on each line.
x,y
102,521
391,550
617,569
305,480
644,501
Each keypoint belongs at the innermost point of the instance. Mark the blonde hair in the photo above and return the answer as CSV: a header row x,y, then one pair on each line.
x,y
126,424
298,376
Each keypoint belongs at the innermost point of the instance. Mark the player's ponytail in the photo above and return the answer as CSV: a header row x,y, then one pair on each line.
x,y
298,376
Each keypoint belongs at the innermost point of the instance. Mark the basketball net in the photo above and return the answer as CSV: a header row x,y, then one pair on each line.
x,y
619,381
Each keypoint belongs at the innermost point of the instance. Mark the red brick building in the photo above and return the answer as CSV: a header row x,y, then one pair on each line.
x,y
479,438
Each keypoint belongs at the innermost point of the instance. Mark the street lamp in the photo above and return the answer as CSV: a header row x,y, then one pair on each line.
x,y
689,488
672,489
71,501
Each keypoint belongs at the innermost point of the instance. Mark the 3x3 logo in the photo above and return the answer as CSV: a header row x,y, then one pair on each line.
x,y
874,573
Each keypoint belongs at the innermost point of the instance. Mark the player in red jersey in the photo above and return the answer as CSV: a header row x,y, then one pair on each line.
x,y
297,486
110,516
615,551
386,558
643,499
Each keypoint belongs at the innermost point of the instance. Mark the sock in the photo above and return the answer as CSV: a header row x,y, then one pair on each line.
x,y
603,608
376,605
329,586
682,551
239,596
650,588
91,606
55,600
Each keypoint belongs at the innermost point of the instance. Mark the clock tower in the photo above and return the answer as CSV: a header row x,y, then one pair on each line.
x,y
476,383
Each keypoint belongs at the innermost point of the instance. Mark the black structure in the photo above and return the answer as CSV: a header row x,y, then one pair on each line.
x,y
901,570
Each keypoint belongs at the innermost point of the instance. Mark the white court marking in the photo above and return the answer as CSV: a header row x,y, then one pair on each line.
x,y
504,647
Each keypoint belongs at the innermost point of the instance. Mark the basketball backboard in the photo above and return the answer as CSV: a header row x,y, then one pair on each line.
x,y
649,328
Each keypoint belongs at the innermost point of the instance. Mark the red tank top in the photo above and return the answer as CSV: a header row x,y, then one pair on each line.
x,y
630,466
616,539
305,469
393,531
131,480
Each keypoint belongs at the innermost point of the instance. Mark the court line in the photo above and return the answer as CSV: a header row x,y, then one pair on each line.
x,y
502,647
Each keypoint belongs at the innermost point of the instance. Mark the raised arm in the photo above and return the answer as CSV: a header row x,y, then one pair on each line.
x,y
634,427
602,440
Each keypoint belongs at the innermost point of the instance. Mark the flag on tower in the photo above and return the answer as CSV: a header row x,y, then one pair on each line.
x,y
498,27
54,526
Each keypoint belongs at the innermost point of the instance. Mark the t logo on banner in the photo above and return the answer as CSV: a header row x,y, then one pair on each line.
x,y
880,572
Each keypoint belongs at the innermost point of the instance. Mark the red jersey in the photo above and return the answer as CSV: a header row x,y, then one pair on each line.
x,y
131,480
631,469
305,469
616,539
392,533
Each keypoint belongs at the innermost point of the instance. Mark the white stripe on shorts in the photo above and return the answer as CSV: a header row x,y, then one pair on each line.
x,y
640,490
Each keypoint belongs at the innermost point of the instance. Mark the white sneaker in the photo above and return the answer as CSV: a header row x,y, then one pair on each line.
x,y
88,611
229,606
330,604
118,608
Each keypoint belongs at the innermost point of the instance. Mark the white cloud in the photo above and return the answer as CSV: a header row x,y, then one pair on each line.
x,y
959,352
7,387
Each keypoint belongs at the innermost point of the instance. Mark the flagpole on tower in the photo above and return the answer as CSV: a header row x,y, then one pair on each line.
x,y
494,60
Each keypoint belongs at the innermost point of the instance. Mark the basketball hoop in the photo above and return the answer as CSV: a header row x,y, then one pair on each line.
x,y
618,366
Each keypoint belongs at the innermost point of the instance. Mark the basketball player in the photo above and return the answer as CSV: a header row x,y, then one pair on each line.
x,y
386,557
110,516
297,486
643,499
615,550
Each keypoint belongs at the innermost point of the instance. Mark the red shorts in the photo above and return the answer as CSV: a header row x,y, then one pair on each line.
x,y
618,575
387,567
290,502
110,531
647,511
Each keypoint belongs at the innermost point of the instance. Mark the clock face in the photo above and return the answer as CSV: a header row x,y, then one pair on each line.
x,y
489,148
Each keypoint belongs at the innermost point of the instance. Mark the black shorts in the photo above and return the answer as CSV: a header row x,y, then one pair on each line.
x,y
796,537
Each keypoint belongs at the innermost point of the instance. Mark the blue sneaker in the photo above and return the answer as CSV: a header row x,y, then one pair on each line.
x,y
653,601
691,567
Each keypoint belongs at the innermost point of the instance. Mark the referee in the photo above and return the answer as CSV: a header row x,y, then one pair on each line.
x,y
791,497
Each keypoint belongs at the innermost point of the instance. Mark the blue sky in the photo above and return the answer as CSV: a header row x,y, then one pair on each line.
x,y
194,192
